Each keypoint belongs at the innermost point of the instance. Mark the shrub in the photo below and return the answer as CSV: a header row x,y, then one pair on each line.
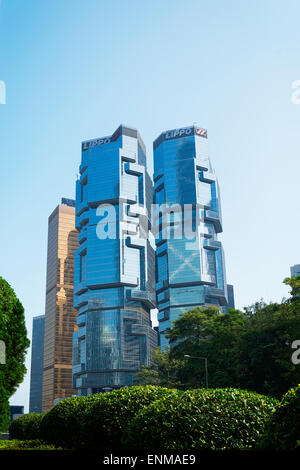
x,y
26,427
61,426
26,445
96,421
283,430
200,419
109,414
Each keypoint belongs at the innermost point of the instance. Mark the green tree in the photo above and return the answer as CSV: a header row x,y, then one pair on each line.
x,y
14,335
265,348
205,332
294,283
250,350
164,371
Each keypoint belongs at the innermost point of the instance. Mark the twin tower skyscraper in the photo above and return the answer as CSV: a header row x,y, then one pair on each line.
x,y
143,243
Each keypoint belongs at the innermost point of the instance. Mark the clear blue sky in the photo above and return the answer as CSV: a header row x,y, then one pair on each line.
x,y
75,70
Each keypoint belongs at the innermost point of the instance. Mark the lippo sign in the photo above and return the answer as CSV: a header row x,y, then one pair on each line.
x,y
185,132
95,143
179,133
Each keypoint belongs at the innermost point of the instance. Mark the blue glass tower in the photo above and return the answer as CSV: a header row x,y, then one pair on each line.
x,y
190,269
114,286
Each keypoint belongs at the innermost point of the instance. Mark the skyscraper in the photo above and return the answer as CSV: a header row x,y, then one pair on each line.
x,y
37,357
114,264
60,314
230,296
190,268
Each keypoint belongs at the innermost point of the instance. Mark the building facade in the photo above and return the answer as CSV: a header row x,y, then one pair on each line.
x,y
190,267
15,411
37,363
114,264
295,270
60,314
230,296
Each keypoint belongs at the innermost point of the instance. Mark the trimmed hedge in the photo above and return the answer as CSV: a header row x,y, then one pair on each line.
x,y
26,445
62,425
108,416
283,430
201,419
97,421
26,427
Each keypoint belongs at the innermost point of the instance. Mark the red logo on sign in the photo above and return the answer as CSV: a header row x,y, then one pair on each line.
x,y
202,132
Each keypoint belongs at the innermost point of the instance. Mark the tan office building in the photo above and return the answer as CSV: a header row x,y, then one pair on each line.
x,y
60,315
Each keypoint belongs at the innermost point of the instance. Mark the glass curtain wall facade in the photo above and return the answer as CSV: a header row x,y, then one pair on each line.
x,y
190,268
114,264
230,296
60,314
37,358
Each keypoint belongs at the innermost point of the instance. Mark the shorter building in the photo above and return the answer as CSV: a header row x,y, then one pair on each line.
x,y
15,411
295,270
60,315
230,296
37,361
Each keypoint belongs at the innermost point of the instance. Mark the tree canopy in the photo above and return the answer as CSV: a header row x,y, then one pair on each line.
x,y
250,349
163,371
13,334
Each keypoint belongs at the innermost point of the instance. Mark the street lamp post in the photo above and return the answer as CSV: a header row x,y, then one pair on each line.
x,y
205,360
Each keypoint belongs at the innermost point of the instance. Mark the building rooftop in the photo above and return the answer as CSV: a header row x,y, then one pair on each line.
x,y
179,133
121,130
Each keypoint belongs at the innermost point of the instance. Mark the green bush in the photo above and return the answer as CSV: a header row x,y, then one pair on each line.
x,y
96,421
62,425
283,429
108,415
26,445
200,419
26,427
